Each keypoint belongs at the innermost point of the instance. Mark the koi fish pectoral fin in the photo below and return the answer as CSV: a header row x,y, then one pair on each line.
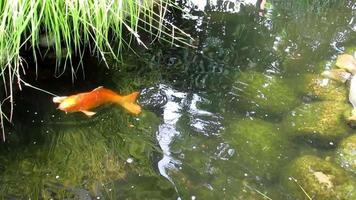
x,y
88,113
58,99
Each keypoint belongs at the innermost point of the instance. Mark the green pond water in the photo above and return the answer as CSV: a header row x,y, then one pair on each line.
x,y
245,115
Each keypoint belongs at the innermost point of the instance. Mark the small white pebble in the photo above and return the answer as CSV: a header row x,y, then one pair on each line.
x,y
193,198
57,177
331,143
97,197
129,160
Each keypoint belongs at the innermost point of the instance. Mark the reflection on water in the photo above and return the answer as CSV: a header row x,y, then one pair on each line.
x,y
236,118
167,131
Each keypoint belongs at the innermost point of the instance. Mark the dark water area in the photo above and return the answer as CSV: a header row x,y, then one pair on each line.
x,y
244,115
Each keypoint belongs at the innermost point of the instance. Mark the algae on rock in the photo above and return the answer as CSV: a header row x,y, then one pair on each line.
x,y
259,146
260,92
83,155
319,179
319,88
322,122
346,153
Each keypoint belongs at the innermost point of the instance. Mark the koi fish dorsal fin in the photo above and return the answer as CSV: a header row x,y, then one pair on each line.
x,y
128,102
98,88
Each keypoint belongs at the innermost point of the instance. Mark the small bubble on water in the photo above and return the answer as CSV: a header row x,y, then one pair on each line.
x,y
245,174
193,198
52,116
36,113
132,186
194,147
331,143
97,197
129,160
57,177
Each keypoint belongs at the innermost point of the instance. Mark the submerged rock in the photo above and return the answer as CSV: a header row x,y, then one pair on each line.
x,y
319,179
319,88
346,153
259,147
322,122
267,93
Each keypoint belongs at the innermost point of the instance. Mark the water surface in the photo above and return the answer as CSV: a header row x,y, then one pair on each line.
x,y
214,118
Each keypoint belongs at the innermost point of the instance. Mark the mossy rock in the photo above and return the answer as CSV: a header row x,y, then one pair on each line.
x,y
318,178
259,147
350,50
319,88
346,153
260,93
322,122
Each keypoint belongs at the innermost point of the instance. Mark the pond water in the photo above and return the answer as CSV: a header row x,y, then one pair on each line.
x,y
245,115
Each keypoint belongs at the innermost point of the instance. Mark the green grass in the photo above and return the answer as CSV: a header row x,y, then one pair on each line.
x,y
70,26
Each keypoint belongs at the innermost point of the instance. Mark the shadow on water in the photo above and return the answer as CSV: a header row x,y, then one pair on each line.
x,y
230,119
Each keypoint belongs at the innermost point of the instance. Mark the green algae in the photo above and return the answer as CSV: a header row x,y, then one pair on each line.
x,y
86,156
261,92
319,88
318,178
260,147
346,153
321,122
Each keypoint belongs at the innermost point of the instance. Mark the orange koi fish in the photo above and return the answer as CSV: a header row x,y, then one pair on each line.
x,y
84,102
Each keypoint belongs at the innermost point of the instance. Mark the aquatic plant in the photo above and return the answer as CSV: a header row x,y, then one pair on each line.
x,y
79,156
69,28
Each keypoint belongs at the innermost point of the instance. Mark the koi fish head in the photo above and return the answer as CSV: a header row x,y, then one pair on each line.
x,y
65,103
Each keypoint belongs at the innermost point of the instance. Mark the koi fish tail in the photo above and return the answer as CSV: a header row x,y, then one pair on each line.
x,y
128,102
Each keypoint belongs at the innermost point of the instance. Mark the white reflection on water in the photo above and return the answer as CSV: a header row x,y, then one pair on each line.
x,y
167,131
232,6
201,121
